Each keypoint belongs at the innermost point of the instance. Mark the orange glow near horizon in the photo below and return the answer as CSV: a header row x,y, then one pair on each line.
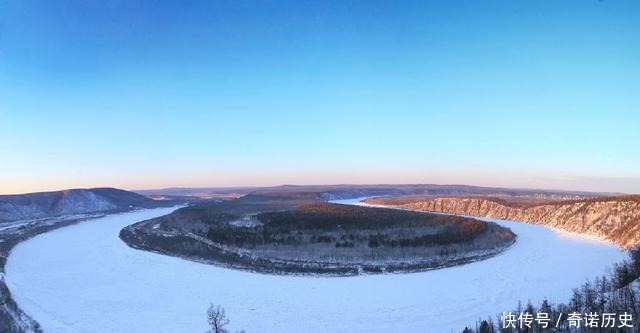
x,y
324,177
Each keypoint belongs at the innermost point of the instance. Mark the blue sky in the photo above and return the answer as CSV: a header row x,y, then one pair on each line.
x,y
148,94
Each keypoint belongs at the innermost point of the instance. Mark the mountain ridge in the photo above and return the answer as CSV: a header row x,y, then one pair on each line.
x,y
38,205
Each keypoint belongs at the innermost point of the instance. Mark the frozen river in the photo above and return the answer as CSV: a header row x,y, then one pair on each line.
x,y
83,278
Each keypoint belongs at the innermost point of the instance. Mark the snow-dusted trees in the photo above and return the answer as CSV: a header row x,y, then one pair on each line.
x,y
609,304
217,319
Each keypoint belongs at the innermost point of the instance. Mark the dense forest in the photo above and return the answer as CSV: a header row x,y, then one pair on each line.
x,y
608,304
347,226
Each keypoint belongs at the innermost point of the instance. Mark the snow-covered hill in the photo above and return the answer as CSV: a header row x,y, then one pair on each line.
x,y
69,202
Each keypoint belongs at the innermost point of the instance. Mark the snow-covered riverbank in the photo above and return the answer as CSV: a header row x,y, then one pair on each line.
x,y
83,278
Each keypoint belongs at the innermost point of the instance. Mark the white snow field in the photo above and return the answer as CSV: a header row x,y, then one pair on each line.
x,y
83,278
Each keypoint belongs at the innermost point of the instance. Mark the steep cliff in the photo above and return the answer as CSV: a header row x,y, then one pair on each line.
x,y
616,219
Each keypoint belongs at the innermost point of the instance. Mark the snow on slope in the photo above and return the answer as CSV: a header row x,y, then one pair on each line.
x,y
69,202
82,278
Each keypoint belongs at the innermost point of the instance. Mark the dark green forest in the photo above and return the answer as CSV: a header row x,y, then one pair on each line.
x,y
346,226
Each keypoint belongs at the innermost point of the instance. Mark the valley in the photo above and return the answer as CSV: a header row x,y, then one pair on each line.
x,y
128,289
318,248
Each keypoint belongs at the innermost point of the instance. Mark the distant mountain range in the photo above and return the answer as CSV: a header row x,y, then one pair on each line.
x,y
95,200
346,191
70,202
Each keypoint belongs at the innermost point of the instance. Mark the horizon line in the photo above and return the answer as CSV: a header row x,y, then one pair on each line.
x,y
320,185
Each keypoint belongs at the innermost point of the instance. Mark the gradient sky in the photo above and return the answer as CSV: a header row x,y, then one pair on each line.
x,y
147,94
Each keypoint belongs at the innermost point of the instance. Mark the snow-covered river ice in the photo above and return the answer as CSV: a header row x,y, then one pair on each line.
x,y
83,278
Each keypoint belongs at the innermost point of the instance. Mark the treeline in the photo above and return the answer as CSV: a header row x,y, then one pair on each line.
x,y
449,235
263,236
252,237
608,304
331,216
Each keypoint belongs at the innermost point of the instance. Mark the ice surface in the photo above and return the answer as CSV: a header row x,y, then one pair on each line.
x,y
83,278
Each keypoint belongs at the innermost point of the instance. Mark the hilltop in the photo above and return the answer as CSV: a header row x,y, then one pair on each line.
x,y
72,201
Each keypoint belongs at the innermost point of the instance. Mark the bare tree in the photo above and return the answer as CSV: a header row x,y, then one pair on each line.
x,y
217,319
